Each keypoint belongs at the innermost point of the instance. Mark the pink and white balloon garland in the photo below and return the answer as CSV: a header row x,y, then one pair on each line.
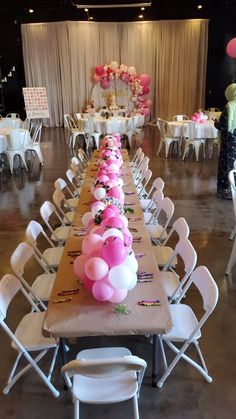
x,y
107,266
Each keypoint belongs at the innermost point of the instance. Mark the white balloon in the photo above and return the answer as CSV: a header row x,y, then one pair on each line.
x,y
98,207
99,193
86,218
113,232
114,65
134,280
131,262
132,70
121,277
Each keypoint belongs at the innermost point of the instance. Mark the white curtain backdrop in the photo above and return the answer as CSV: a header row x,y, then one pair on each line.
x,y
61,56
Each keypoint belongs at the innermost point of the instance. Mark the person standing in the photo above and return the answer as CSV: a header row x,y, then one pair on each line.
x,y
227,126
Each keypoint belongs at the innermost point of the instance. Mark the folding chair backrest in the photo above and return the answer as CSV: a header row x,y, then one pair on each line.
x,y
73,179
33,230
181,227
9,286
207,287
61,184
137,153
69,122
59,199
46,211
157,199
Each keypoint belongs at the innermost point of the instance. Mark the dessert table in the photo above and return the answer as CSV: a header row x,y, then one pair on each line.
x,y
85,316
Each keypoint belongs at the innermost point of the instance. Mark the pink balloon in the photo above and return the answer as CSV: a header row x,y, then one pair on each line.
x,y
99,70
118,295
114,208
148,103
144,79
96,268
107,213
114,193
102,291
79,266
114,222
105,84
231,48
146,111
96,78
145,90
88,283
91,242
114,251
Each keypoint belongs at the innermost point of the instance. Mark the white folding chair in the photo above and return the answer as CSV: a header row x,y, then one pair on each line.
x,y
166,136
59,234
59,198
75,182
143,183
139,160
162,252
41,288
172,282
146,202
27,337
34,144
105,376
154,207
50,257
76,166
140,171
186,327
135,157
71,202
157,227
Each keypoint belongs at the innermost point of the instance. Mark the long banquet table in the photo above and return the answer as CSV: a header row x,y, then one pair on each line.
x,y
85,316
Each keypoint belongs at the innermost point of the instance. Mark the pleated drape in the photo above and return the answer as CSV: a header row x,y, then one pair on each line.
x,y
61,56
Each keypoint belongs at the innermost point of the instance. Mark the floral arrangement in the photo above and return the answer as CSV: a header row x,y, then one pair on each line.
x,y
139,85
199,117
107,266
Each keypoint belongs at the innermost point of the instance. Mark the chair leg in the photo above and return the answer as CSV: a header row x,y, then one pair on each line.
x,y
232,259
135,407
76,409
232,235
196,147
167,146
185,151
159,148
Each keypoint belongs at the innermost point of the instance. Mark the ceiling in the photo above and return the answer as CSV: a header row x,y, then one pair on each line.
x,y
54,10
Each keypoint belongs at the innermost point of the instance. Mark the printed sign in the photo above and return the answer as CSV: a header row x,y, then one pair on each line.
x,y
36,103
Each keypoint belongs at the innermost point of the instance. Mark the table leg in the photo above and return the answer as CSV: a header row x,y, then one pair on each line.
x,y
154,359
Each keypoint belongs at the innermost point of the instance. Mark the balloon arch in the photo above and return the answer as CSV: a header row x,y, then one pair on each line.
x,y
138,85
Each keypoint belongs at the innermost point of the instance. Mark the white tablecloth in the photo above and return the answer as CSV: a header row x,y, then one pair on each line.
x,y
10,123
114,124
5,133
206,130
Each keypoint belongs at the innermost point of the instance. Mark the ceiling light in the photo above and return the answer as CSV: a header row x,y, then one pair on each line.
x,y
142,8
90,17
86,10
31,10
111,6
199,6
140,16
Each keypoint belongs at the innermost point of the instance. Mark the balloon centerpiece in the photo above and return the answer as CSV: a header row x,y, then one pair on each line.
x,y
139,85
107,266
199,117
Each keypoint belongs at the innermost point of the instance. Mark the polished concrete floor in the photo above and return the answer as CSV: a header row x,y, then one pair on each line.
x,y
192,187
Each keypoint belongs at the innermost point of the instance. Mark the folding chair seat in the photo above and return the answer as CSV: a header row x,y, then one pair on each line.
x,y
157,229
50,257
59,234
28,335
187,328
75,182
59,199
105,376
170,279
162,252
71,202
41,288
147,202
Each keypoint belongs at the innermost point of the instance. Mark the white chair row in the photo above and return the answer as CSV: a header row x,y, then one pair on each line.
x,y
178,273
